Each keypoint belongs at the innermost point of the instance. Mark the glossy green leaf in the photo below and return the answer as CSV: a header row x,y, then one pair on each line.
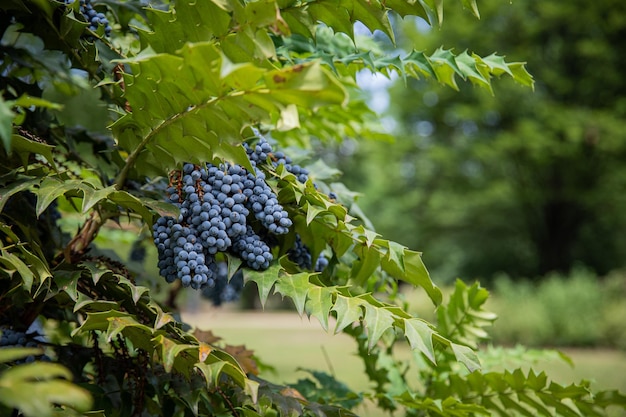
x,y
14,188
170,350
27,147
368,263
12,263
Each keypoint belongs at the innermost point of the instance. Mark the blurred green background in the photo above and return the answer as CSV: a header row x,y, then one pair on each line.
x,y
520,182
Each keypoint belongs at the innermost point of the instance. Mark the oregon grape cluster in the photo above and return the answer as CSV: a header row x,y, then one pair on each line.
x,y
301,255
93,17
262,150
260,154
223,209
14,338
215,205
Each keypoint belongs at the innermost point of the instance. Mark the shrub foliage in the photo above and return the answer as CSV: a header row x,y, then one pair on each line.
x,y
99,108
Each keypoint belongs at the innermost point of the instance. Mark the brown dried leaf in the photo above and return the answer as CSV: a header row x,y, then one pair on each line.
x,y
244,357
293,393
206,336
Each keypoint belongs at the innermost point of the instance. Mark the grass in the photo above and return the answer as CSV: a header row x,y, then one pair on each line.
x,y
287,342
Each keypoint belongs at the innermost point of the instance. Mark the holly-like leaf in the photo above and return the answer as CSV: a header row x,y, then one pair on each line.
x,y
26,147
318,304
12,264
416,274
135,291
16,187
419,333
349,310
295,287
368,263
378,321
312,212
264,280
466,356
170,350
138,333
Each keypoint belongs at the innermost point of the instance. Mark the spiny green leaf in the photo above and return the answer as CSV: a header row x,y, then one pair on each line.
x,y
466,356
18,186
420,336
97,321
318,304
312,212
368,236
169,350
264,280
348,309
131,203
15,264
416,274
295,287
67,281
93,197
136,291
378,321
521,75
26,147
214,370
131,328
52,188
368,263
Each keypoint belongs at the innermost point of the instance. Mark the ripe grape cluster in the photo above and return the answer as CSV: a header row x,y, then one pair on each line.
x,y
93,17
217,205
14,338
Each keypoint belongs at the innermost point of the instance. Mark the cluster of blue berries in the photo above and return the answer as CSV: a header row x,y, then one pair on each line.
x,y
262,153
301,255
217,205
93,17
14,338
226,209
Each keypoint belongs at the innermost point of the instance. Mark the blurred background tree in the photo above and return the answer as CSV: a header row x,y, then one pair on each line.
x,y
523,183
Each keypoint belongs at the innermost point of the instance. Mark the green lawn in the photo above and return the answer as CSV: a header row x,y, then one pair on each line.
x,y
287,342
